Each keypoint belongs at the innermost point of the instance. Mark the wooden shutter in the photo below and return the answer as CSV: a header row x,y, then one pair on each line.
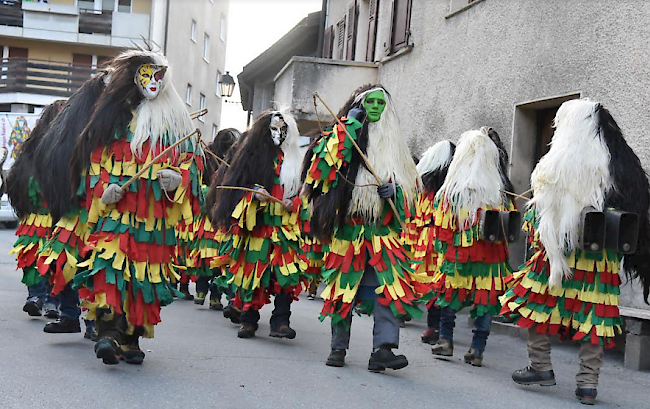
x,y
372,30
328,42
340,27
353,19
401,29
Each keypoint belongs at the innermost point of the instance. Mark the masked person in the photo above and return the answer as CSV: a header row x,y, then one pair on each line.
x,y
262,243
565,289
35,220
471,269
132,239
365,261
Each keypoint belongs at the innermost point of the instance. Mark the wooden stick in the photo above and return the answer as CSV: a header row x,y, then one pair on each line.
x,y
160,155
516,195
198,114
214,155
245,189
363,156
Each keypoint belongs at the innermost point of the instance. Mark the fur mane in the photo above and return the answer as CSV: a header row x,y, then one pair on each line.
x,y
435,163
223,141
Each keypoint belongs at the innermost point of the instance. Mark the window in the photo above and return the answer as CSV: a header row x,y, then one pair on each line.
x,y
215,130
340,27
206,47
188,95
201,106
401,28
193,31
224,31
124,6
216,89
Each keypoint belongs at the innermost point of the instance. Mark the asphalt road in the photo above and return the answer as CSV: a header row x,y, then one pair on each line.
x,y
197,361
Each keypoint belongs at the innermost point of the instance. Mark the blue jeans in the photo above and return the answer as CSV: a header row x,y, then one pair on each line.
x,y
41,292
69,303
279,316
482,326
433,317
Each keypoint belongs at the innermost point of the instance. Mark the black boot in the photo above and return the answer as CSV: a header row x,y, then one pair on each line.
x,y
385,358
587,396
110,333
185,289
90,333
33,307
336,358
51,310
131,351
63,325
247,331
529,376
232,313
283,331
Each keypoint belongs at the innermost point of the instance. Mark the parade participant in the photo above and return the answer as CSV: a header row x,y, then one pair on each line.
x,y
471,270
564,289
205,247
35,220
261,245
365,260
432,169
67,244
132,241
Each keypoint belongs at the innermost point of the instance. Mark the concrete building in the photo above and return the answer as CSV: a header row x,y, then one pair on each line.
x,y
50,49
455,65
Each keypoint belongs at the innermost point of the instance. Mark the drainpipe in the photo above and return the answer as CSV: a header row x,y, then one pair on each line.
x,y
321,31
166,27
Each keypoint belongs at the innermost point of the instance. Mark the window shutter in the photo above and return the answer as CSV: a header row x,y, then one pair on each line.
x,y
372,30
340,26
328,42
401,24
352,31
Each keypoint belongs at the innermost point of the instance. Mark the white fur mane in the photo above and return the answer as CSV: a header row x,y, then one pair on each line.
x,y
391,159
573,174
163,115
436,157
293,155
473,180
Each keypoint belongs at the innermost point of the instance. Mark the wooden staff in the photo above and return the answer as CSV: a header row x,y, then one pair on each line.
x,y
198,114
245,189
363,156
516,195
214,155
160,155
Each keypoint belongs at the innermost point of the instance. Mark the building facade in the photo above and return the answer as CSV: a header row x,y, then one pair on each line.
x,y
455,65
50,49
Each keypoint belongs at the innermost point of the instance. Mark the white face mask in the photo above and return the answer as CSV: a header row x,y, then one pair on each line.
x,y
149,79
278,129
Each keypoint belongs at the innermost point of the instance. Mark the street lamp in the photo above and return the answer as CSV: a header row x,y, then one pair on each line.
x,y
226,85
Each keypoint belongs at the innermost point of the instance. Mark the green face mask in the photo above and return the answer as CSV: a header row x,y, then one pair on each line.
x,y
375,103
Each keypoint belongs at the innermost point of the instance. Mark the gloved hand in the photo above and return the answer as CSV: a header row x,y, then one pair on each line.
x,y
386,191
112,194
263,196
358,113
169,179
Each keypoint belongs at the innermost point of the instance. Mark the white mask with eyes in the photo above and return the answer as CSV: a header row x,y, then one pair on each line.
x,y
278,129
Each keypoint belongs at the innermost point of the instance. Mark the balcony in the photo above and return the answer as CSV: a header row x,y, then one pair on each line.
x,y
41,77
69,24
334,80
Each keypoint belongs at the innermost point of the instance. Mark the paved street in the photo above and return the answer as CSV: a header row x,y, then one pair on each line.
x,y
197,361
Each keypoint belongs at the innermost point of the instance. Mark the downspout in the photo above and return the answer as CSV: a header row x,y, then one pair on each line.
x,y
321,30
166,27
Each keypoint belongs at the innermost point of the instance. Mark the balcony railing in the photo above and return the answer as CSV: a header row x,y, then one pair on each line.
x,y
95,21
41,77
11,13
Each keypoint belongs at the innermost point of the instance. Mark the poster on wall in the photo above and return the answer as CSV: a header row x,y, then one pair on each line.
x,y
14,130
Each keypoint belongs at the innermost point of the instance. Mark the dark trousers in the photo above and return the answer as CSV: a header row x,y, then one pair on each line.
x,y
41,292
433,317
482,326
279,316
205,284
69,303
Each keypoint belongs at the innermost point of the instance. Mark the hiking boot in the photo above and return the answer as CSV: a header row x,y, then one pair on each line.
x,y
90,333
336,358
33,307
474,357
443,348
529,376
232,313
131,352
63,325
430,336
200,298
51,311
587,396
385,358
185,290
108,350
311,297
216,305
283,331
247,331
